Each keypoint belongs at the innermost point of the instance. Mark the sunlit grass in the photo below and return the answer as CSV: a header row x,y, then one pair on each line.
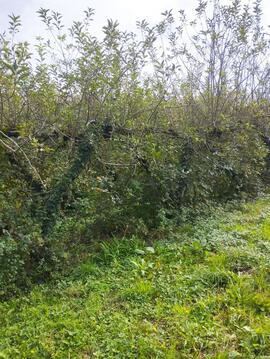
x,y
203,294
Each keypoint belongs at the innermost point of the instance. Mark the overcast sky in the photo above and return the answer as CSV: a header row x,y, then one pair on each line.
x,y
127,12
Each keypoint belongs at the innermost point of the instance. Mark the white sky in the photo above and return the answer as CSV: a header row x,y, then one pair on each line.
x,y
127,12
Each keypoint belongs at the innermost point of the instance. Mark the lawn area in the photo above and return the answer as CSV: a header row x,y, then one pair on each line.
x,y
202,292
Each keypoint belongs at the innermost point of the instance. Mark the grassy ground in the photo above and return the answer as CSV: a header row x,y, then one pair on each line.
x,y
203,293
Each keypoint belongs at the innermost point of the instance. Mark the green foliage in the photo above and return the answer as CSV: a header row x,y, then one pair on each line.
x,y
174,298
118,136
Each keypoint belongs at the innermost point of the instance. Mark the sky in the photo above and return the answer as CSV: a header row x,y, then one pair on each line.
x,y
127,12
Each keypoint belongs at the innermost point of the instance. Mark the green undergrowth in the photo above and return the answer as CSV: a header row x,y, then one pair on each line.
x,y
203,292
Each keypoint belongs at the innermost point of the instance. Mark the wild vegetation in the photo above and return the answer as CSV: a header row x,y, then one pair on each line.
x,y
201,292
135,136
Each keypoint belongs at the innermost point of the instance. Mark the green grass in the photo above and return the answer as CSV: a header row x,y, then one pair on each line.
x,y
202,293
